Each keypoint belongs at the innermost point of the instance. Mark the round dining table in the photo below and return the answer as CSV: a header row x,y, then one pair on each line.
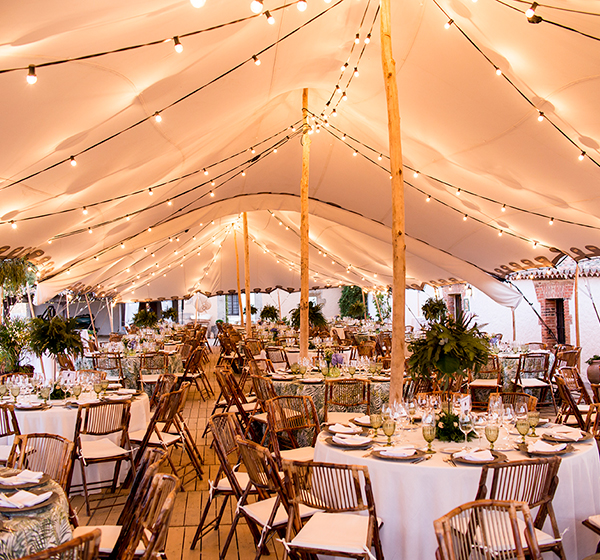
x,y
410,496
24,532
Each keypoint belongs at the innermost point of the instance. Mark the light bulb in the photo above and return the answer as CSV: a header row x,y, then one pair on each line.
x,y
448,24
344,96
169,203
503,208
379,157
465,218
197,3
498,72
356,72
243,173
357,39
269,17
274,150
90,230
368,39
252,150
530,12
73,161
84,211
302,5
551,221
122,245
127,217
540,116
499,233
458,192
416,174
428,199
149,229
581,156
256,6
150,193
256,60
157,117
344,66
355,153
31,77
212,194
13,224
178,45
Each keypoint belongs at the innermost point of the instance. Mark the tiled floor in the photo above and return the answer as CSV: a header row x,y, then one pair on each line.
x,y
190,501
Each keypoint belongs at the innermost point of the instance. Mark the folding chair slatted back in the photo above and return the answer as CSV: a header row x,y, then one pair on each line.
x,y
85,547
347,393
573,381
515,399
568,405
8,421
101,419
261,467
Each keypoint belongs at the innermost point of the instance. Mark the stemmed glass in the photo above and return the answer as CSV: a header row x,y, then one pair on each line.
x,y
376,422
523,426
45,393
534,417
465,424
15,391
491,432
3,390
480,421
411,407
97,388
389,427
76,390
428,428
104,385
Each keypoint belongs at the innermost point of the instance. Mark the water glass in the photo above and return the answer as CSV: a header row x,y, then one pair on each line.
x,y
523,426
376,422
465,424
534,417
491,433
428,435
389,427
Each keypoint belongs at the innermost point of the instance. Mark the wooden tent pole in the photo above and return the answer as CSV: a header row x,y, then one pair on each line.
x,y
576,288
378,306
398,239
247,276
279,303
514,324
304,326
237,269
92,319
362,291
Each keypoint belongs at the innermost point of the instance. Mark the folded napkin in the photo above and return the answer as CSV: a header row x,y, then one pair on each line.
x,y
117,398
363,419
126,392
22,499
23,477
341,429
399,451
474,455
543,447
565,433
351,440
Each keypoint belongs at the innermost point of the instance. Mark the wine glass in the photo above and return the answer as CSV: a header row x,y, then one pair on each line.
x,y
411,407
352,371
523,426
376,422
15,391
104,385
76,390
389,427
534,417
98,389
3,391
428,429
508,418
465,424
491,433
45,393
480,421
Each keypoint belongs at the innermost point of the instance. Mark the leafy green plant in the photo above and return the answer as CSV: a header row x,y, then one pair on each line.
x,y
448,430
594,358
449,348
434,310
170,313
351,302
14,343
269,313
55,336
316,319
253,310
383,305
145,319
15,274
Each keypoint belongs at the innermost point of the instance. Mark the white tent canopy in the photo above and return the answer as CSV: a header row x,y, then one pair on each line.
x,y
464,127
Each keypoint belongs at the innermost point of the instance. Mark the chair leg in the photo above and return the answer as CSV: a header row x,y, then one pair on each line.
x,y
200,531
85,490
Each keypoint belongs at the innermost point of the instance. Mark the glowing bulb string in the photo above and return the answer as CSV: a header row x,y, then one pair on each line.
x,y
516,88
179,100
540,19
351,51
450,185
559,8
144,190
142,45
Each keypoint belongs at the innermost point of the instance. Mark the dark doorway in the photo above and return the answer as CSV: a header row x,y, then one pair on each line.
x,y
560,321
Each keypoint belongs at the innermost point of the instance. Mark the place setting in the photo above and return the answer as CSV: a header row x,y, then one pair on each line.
x,y
21,492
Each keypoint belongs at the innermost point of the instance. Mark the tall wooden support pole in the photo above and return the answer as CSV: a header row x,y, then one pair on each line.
x,y
398,239
576,288
304,332
92,319
247,276
362,291
514,324
237,269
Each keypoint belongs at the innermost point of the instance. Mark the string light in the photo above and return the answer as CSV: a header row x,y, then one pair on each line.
x,y
551,221
448,24
177,44
581,156
368,39
334,112
356,72
503,208
274,150
428,199
355,153
145,249
127,217
530,12
73,161
498,72
197,3
302,5
379,157
344,96
157,117
465,218
416,174
84,211
500,233
212,183
540,116
169,202
345,65
257,62
357,39
457,192
90,230
31,77
149,229
122,245
269,17
150,191
13,224
256,6
212,194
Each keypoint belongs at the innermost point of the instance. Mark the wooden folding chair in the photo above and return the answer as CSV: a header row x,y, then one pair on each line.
x,y
532,374
111,364
164,385
152,366
573,381
487,529
346,524
533,482
568,405
235,400
293,422
487,380
194,372
516,398
96,421
9,427
228,482
277,358
79,548
346,394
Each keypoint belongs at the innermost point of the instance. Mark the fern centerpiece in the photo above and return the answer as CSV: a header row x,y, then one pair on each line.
x,y
316,319
450,346
145,319
269,313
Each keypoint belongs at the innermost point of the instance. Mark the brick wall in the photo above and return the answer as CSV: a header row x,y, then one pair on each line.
x,y
547,292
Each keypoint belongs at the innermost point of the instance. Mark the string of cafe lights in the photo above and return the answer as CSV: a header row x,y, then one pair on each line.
x,y
146,190
72,159
533,17
560,8
541,116
176,40
458,190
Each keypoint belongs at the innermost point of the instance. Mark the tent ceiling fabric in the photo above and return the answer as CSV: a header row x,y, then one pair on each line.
x,y
464,127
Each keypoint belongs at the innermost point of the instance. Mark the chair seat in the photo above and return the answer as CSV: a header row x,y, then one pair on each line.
x,y
225,486
594,520
532,383
336,532
101,449
299,454
499,542
108,539
261,511
165,437
248,407
484,383
150,378
260,417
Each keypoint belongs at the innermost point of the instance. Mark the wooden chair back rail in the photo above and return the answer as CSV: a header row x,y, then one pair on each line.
x,y
472,530
65,362
47,453
85,547
515,397
276,355
263,388
164,385
292,413
100,419
8,421
153,362
572,379
569,406
533,365
100,374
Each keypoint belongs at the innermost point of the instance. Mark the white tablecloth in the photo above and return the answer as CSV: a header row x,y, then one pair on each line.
x,y
61,421
410,497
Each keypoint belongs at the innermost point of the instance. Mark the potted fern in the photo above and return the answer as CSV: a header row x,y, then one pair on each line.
x,y
316,319
269,313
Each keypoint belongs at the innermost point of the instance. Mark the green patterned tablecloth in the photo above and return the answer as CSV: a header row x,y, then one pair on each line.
x,y
36,530
380,393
